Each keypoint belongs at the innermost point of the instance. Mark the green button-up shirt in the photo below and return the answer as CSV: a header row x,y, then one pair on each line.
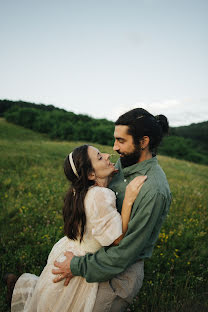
x,y
148,213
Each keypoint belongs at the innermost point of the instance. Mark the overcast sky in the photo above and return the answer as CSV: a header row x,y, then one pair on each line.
x,y
104,57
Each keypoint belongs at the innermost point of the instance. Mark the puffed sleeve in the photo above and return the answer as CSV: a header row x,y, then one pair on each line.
x,y
105,219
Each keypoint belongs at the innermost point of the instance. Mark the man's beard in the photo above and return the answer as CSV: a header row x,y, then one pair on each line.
x,y
131,159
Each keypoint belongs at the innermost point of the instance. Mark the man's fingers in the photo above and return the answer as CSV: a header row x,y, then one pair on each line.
x,y
57,271
57,264
63,272
58,279
61,278
68,253
67,280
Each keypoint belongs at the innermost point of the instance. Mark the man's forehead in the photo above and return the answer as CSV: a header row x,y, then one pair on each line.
x,y
121,131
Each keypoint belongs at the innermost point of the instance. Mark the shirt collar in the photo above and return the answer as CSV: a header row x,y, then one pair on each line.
x,y
141,167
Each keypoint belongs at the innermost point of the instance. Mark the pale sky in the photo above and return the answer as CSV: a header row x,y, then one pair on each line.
x,y
102,57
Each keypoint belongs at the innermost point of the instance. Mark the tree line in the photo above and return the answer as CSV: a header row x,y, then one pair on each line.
x,y
58,123
187,142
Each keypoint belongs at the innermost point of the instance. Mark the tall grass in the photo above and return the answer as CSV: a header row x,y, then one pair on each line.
x,y
32,188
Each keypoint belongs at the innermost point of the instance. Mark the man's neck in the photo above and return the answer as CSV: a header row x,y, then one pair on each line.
x,y
145,155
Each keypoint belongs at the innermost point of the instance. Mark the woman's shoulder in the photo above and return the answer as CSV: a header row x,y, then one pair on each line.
x,y
100,189
99,192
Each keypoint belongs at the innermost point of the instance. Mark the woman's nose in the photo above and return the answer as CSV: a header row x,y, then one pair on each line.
x,y
106,156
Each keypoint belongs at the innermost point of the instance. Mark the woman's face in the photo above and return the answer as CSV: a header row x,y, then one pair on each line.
x,y
101,164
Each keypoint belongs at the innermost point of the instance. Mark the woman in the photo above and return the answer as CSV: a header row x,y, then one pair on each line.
x,y
90,221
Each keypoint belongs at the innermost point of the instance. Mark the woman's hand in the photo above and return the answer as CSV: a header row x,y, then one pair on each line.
x,y
133,188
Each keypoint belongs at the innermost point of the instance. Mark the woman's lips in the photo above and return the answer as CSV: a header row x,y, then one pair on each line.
x,y
111,164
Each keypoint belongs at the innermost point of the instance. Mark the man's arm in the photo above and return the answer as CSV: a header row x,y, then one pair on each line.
x,y
108,262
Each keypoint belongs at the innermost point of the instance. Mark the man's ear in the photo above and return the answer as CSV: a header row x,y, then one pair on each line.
x,y
144,142
91,176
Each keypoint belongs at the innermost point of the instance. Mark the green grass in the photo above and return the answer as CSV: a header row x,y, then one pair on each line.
x,y
32,187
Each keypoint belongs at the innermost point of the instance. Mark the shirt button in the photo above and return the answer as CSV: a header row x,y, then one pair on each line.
x,y
124,180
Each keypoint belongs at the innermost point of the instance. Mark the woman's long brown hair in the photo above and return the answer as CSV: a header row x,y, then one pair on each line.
x,y
73,209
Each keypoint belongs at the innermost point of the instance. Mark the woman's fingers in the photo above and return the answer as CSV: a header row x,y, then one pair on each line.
x,y
133,188
136,183
140,179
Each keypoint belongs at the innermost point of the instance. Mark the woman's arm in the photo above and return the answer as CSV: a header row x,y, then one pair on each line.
x,y
132,190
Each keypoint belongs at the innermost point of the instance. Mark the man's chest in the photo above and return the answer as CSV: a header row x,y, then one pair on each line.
x,y
118,186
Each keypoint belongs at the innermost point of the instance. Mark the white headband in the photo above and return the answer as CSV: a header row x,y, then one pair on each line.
x,y
72,165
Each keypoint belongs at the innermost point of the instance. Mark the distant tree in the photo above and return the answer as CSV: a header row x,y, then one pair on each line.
x,y
103,135
182,148
5,105
64,131
197,132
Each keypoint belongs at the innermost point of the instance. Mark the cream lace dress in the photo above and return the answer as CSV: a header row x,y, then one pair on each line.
x,y
40,294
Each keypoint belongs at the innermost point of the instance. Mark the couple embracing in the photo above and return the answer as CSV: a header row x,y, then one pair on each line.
x,y
112,219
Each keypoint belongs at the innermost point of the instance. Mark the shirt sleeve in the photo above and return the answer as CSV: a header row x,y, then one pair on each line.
x,y
108,262
104,217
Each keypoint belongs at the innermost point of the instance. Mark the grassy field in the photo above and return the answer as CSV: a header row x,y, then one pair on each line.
x,y
32,187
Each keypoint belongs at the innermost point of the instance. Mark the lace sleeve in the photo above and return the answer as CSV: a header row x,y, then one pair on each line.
x,y
104,217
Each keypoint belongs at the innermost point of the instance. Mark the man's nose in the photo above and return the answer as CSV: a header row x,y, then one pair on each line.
x,y
115,147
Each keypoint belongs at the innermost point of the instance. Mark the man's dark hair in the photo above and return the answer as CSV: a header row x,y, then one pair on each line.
x,y
141,123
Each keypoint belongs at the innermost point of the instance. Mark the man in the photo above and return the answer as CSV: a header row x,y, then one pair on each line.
x,y
119,269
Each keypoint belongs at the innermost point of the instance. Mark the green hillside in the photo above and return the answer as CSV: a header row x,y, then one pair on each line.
x,y
195,131
32,187
57,123
187,142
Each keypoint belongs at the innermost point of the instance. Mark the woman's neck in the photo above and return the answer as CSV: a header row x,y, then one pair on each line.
x,y
101,182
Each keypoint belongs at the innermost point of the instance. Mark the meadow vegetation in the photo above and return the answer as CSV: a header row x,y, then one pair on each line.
x,y
32,188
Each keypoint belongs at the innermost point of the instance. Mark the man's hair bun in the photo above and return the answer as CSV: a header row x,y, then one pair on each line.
x,y
163,121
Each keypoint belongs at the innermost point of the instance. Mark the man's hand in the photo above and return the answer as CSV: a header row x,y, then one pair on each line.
x,y
64,271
